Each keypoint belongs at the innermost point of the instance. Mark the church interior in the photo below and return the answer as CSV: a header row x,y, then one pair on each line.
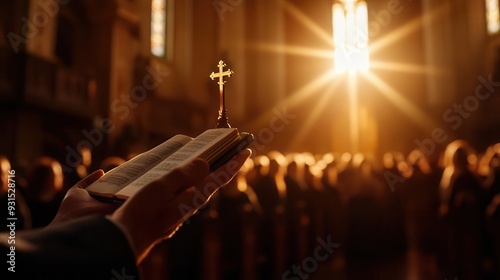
x,y
375,122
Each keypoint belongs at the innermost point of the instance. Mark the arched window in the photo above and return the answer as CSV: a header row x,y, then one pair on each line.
x,y
350,35
492,16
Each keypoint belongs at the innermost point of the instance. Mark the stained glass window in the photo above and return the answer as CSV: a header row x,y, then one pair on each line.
x,y
158,27
492,16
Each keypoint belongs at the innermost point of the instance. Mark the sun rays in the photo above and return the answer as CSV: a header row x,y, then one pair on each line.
x,y
315,113
325,87
307,22
292,50
407,68
412,111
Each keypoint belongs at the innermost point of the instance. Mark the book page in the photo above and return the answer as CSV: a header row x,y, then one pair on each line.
x,y
206,141
117,178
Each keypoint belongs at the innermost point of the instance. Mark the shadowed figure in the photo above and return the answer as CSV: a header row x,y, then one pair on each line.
x,y
269,186
489,168
462,209
421,202
391,189
364,238
44,191
81,167
313,194
333,213
297,211
10,193
231,237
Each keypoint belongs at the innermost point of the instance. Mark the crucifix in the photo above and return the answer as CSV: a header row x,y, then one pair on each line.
x,y
222,121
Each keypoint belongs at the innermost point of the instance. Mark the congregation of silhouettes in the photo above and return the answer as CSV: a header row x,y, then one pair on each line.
x,y
401,217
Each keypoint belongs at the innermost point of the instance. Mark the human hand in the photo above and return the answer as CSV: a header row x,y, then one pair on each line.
x,y
159,209
78,203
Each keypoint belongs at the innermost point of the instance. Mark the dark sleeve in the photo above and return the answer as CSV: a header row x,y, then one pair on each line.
x,y
87,248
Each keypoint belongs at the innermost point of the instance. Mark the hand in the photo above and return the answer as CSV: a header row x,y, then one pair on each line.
x,y
78,203
159,209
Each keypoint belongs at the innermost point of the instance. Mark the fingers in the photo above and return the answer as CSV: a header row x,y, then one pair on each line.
x,y
161,206
223,175
186,176
146,215
165,189
87,181
189,201
78,203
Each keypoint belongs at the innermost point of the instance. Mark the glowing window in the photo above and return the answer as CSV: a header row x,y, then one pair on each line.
x,y
350,35
158,27
492,16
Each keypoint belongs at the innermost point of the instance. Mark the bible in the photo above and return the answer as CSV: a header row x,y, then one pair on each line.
x,y
217,146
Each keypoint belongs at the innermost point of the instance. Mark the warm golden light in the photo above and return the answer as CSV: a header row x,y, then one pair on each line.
x,y
353,113
492,16
417,115
296,98
351,51
362,25
292,50
362,35
307,22
339,38
158,27
321,105
407,68
338,25
350,36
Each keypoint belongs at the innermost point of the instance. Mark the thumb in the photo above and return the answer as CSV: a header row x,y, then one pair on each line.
x,y
87,181
168,187
84,183
145,215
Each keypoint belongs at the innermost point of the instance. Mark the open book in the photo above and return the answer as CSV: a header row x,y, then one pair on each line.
x,y
216,146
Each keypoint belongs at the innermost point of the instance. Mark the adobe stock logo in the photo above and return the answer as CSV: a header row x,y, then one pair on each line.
x,y
310,264
121,275
221,7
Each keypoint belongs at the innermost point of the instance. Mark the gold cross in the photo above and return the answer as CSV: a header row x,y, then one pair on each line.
x,y
222,121
221,74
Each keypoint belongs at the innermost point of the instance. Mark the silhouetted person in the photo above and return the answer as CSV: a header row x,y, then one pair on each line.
x,y
462,205
81,167
297,211
270,189
265,185
421,202
493,226
334,223
364,225
11,195
489,169
44,190
238,215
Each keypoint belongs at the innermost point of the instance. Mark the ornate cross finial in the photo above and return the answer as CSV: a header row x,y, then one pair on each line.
x,y
221,74
222,120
